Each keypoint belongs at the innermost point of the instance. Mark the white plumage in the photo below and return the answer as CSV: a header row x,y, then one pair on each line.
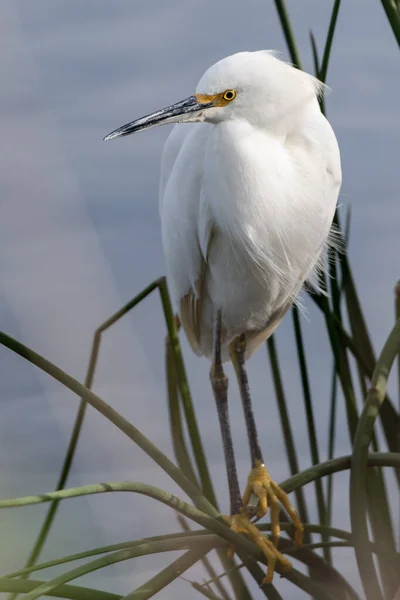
x,y
247,199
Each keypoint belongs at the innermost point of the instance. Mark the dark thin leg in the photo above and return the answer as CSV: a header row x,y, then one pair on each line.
x,y
219,382
238,354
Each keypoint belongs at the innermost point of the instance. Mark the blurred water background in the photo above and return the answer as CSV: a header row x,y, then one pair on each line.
x,y
80,235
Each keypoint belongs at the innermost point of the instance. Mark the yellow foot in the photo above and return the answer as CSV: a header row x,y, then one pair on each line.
x,y
269,493
240,524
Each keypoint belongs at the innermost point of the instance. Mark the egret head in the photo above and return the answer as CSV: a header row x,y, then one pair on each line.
x,y
256,87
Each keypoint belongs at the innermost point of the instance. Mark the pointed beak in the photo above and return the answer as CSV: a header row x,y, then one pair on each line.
x,y
182,111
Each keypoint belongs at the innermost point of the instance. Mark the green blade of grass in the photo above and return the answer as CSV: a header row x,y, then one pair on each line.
x,y
379,459
183,536
319,546
312,434
308,585
342,463
314,528
322,572
203,590
175,421
211,524
397,317
378,507
388,415
393,15
288,32
220,528
328,576
209,582
358,502
377,502
176,504
316,62
343,370
151,491
367,364
207,563
185,394
382,531
286,427
269,591
70,592
331,443
323,71
113,558
166,576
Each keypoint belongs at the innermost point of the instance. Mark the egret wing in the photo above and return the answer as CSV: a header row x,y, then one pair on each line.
x,y
186,225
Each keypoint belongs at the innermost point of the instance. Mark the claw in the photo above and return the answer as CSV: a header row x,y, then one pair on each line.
x,y
240,524
267,491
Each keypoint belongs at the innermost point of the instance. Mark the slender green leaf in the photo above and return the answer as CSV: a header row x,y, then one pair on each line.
x,y
397,316
393,15
116,557
358,496
377,499
314,49
185,394
322,572
286,427
71,592
323,72
175,420
207,563
375,459
288,32
331,442
204,591
359,331
312,434
183,536
166,576
382,531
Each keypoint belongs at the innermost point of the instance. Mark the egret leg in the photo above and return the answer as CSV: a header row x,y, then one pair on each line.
x,y
239,520
219,383
260,483
238,355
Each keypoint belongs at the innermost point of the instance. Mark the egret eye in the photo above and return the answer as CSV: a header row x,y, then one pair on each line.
x,y
229,95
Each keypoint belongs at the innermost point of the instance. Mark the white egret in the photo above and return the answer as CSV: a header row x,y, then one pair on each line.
x,y
247,199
